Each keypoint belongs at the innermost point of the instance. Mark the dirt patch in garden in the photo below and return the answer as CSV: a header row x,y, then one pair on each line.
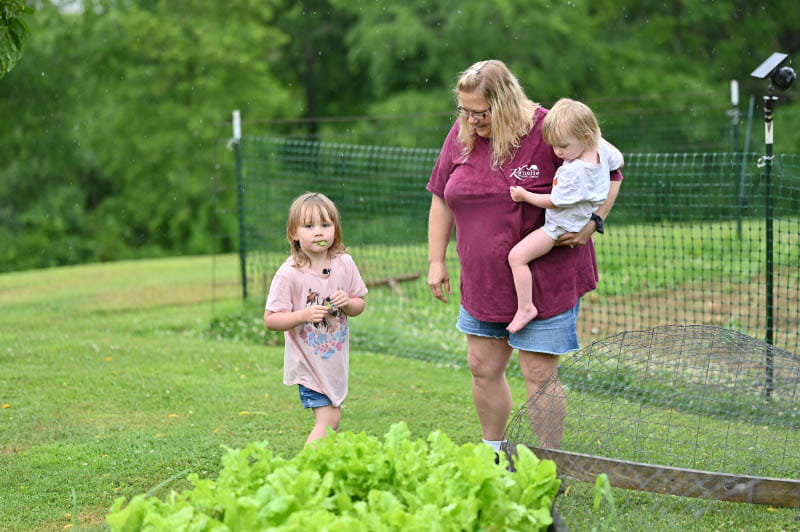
x,y
737,306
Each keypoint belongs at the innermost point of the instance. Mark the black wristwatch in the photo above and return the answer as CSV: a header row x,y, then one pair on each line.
x,y
599,222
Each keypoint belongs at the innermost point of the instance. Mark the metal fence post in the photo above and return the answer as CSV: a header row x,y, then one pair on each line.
x,y
743,173
769,102
237,150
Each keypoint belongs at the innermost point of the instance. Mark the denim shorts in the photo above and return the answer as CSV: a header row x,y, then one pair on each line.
x,y
312,398
553,336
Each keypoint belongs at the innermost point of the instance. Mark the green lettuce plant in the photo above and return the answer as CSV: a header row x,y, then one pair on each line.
x,y
354,482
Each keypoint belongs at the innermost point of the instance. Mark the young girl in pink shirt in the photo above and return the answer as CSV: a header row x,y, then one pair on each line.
x,y
310,298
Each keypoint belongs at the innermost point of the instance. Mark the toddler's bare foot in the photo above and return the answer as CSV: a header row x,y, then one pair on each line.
x,y
521,318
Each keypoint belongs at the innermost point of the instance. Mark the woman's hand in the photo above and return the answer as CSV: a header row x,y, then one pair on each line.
x,y
579,238
440,228
439,281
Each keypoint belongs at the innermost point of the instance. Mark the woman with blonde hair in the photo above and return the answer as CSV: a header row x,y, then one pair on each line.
x,y
497,143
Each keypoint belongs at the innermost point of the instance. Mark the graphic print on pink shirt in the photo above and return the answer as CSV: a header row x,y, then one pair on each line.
x,y
328,336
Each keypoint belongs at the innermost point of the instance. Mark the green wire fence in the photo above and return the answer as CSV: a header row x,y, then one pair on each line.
x,y
685,243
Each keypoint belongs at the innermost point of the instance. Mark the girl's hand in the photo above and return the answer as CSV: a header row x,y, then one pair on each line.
x,y
340,300
315,313
517,193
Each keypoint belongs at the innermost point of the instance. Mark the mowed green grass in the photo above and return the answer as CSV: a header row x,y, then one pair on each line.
x,y
110,386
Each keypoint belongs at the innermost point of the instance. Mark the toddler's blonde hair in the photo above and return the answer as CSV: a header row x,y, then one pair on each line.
x,y
302,210
570,118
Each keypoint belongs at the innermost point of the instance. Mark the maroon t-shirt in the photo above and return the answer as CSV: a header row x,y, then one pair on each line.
x,y
489,223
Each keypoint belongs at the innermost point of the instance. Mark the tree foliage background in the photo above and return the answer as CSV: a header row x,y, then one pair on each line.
x,y
114,122
13,32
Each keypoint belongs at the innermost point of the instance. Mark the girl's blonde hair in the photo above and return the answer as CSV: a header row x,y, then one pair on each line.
x,y
570,118
512,112
302,210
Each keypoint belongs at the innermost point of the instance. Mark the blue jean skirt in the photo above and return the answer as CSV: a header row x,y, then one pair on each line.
x,y
553,336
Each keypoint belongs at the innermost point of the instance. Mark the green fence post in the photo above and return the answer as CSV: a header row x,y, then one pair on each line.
x,y
769,102
237,150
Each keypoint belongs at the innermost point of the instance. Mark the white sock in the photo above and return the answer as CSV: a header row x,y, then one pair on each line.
x,y
494,444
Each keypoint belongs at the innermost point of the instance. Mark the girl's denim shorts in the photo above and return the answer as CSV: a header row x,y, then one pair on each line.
x,y
554,336
312,398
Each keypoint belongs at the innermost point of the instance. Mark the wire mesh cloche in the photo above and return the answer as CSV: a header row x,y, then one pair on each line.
x,y
684,396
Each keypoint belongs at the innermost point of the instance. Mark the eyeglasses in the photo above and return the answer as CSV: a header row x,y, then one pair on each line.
x,y
473,114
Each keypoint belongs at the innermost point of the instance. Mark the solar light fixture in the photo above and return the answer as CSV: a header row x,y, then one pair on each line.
x,y
780,76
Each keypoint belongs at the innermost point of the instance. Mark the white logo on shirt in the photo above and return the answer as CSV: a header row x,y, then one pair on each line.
x,y
521,173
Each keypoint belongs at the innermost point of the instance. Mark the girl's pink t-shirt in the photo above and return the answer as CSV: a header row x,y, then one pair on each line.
x,y
489,223
316,355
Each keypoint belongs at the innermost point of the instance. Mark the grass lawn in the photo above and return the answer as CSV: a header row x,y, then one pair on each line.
x,y
111,385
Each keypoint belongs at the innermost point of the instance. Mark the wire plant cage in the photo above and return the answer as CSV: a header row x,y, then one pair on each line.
x,y
691,410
